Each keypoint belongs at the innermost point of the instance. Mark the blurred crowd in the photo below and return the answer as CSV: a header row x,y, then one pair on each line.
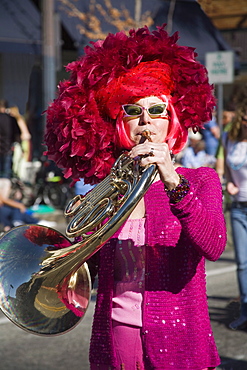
x,y
15,163
204,148
225,149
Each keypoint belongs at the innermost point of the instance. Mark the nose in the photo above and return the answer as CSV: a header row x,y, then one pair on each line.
x,y
144,118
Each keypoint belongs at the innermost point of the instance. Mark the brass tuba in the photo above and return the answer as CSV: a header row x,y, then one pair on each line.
x,y
45,285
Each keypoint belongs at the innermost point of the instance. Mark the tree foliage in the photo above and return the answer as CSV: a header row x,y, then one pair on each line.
x,y
90,22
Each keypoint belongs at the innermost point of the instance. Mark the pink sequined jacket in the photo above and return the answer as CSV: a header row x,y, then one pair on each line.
x,y
176,328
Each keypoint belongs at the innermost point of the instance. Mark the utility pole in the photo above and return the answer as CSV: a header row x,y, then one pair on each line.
x,y
48,52
138,8
170,16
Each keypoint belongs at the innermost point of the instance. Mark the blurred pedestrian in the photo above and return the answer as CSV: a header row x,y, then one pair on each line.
x,y
227,118
194,155
22,150
235,144
211,135
25,135
14,213
9,133
81,188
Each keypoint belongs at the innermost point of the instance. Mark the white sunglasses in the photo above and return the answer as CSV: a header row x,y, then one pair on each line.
x,y
156,110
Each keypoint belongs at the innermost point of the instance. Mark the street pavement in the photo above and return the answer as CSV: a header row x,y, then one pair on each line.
x,y
223,302
20,350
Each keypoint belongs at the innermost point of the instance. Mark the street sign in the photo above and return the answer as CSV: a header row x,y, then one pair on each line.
x,y
220,66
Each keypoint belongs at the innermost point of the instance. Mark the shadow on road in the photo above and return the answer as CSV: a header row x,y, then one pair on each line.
x,y
231,364
224,315
222,311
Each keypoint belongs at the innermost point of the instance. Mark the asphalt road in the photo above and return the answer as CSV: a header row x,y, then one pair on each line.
x,y
223,304
20,350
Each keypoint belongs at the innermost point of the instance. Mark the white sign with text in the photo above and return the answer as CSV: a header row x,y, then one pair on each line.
x,y
220,66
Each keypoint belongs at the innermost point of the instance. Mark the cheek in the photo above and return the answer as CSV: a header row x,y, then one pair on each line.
x,y
163,130
129,128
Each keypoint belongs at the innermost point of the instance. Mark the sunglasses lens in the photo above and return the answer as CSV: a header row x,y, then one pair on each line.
x,y
136,110
132,110
156,109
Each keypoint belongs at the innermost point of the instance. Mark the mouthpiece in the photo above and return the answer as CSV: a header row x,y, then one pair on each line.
x,y
145,135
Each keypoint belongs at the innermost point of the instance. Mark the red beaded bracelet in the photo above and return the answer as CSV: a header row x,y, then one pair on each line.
x,y
179,192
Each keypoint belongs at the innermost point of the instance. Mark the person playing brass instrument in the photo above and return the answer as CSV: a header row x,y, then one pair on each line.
x,y
151,310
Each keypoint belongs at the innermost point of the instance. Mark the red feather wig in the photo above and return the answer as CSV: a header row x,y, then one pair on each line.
x,y
81,135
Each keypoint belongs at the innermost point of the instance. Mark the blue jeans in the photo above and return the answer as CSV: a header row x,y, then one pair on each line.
x,y
9,215
6,166
81,188
239,234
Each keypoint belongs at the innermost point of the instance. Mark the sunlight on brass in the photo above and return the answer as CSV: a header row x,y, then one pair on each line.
x,y
45,285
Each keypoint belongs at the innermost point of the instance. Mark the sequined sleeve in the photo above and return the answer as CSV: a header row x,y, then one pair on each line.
x,y
201,213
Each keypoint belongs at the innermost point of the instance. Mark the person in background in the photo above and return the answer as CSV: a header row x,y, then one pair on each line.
x,y
211,135
151,310
14,213
194,155
81,188
25,134
227,118
22,150
9,133
235,145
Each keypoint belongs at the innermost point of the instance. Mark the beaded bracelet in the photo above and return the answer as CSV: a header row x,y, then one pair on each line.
x,y
179,192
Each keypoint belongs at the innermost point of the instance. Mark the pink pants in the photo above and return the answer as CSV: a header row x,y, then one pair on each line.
x,y
128,347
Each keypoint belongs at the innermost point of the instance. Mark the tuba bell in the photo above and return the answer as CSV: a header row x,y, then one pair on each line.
x,y
45,285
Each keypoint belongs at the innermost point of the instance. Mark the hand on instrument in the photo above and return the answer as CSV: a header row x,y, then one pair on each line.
x,y
159,154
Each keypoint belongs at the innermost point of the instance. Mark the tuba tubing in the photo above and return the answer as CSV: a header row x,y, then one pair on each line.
x,y
51,288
